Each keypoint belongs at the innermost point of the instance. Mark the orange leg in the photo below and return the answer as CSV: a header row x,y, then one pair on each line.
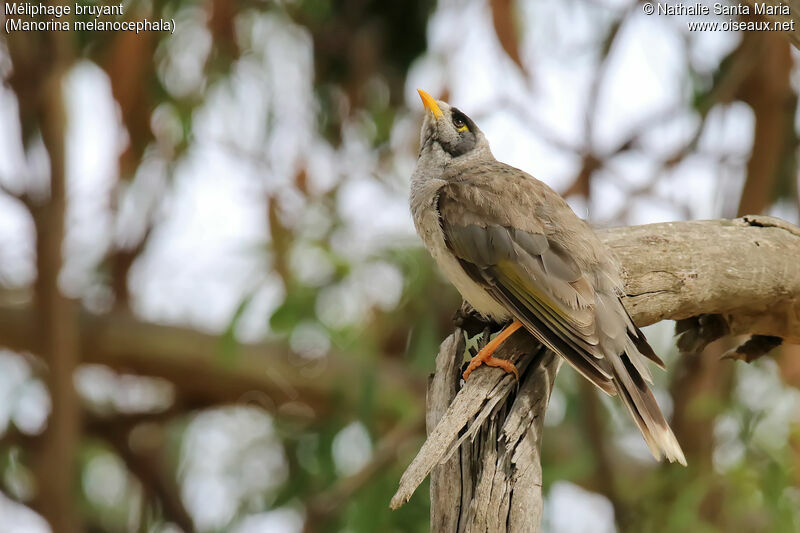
x,y
485,355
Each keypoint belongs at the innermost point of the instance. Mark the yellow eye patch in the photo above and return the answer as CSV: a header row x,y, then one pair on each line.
x,y
460,122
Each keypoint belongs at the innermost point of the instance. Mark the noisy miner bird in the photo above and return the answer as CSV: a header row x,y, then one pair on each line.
x,y
519,255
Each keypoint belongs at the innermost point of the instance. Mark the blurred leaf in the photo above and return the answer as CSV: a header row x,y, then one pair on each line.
x,y
298,306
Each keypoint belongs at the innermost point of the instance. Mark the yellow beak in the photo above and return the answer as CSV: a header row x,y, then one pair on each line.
x,y
430,103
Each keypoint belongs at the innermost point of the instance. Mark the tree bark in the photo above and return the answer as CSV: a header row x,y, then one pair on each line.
x,y
492,474
743,269
483,445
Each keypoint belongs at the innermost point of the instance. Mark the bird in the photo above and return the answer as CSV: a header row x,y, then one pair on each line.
x,y
520,256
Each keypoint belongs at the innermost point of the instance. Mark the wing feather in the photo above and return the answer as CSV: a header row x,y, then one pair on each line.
x,y
546,292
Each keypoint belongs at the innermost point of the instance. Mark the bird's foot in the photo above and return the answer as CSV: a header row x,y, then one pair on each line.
x,y
485,355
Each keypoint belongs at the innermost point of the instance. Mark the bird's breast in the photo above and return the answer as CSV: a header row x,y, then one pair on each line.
x,y
426,220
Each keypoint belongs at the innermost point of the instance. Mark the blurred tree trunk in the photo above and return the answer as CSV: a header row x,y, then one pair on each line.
x,y
789,364
40,62
56,462
768,91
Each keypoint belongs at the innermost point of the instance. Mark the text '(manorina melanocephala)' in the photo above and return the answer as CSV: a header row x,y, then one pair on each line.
x,y
518,254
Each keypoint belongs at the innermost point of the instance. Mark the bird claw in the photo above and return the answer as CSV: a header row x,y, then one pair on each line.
x,y
486,353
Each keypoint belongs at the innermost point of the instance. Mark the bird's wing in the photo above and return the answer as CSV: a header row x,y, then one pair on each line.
x,y
533,277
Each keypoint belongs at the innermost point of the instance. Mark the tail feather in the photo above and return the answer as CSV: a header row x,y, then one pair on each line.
x,y
644,410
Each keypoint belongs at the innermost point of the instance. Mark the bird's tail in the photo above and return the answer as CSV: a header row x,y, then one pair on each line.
x,y
640,402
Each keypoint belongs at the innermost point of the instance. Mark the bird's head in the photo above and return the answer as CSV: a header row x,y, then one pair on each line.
x,y
447,133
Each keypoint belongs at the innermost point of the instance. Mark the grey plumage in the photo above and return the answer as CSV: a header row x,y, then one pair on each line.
x,y
515,249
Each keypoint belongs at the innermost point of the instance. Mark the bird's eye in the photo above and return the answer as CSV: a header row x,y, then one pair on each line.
x,y
459,124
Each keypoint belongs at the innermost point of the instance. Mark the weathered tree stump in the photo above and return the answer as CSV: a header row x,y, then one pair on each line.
x,y
490,476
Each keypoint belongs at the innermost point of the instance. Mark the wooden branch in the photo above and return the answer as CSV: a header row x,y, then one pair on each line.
x,y
483,441
265,374
744,269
